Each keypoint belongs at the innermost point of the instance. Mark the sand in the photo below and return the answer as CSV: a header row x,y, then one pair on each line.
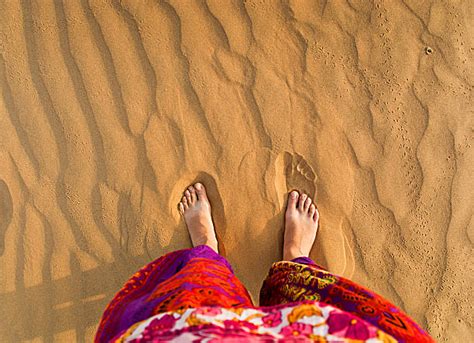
x,y
109,109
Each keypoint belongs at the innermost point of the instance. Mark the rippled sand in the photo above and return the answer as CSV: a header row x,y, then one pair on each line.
x,y
109,109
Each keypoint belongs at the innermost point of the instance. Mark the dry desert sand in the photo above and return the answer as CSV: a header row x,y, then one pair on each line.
x,y
110,108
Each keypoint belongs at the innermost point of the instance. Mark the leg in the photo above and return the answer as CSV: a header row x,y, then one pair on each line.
x,y
298,279
181,279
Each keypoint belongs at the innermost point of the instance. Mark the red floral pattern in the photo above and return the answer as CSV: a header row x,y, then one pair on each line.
x,y
193,294
291,322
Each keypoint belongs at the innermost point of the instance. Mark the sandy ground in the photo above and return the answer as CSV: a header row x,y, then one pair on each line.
x,y
109,109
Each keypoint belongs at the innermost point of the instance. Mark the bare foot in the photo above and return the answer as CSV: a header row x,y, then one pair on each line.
x,y
196,209
301,225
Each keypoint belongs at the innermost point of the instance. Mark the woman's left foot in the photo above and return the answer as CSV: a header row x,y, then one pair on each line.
x,y
196,209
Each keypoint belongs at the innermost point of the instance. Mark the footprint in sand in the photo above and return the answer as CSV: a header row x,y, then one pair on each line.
x,y
6,213
294,172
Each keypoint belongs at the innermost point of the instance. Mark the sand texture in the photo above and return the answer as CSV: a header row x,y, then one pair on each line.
x,y
108,109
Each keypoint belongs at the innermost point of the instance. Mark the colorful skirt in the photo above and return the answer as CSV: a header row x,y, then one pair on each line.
x,y
193,295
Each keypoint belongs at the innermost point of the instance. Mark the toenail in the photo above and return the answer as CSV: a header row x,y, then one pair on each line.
x,y
197,185
294,194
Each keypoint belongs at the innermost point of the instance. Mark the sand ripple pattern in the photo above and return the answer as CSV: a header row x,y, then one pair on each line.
x,y
108,108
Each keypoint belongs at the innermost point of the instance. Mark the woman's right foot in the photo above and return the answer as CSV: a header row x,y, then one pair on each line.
x,y
301,226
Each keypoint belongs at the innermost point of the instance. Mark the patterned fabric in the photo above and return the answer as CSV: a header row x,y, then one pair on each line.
x,y
302,280
181,279
194,293
296,322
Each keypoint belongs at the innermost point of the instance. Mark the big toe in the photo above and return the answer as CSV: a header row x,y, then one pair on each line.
x,y
200,191
293,200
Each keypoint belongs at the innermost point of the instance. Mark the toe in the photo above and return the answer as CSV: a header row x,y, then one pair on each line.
x,y
312,209
316,215
200,191
301,202
184,201
181,208
193,194
307,203
187,194
293,199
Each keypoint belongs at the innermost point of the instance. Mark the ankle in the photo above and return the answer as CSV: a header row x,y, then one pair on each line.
x,y
213,244
293,253
210,242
